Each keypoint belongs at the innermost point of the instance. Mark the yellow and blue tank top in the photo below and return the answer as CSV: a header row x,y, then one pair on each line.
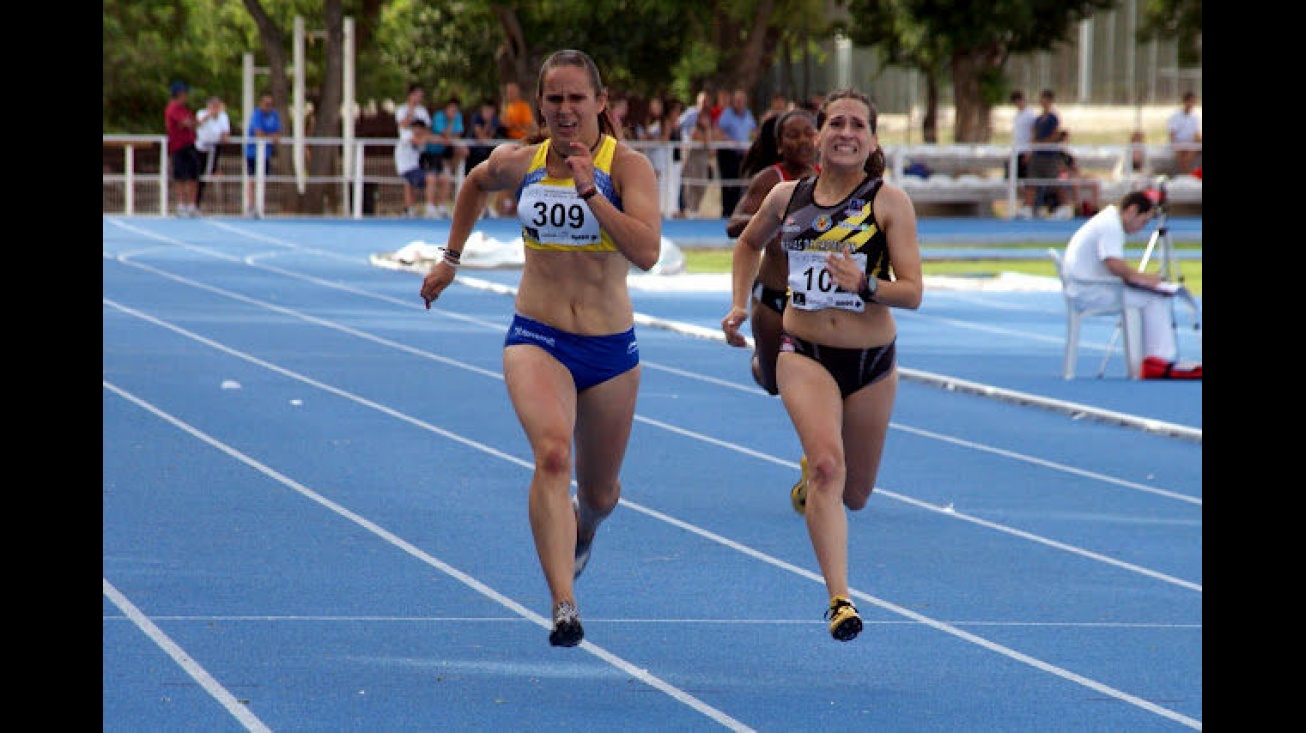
x,y
553,216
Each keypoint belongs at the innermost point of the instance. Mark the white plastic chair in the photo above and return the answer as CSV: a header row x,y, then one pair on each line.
x,y
1128,319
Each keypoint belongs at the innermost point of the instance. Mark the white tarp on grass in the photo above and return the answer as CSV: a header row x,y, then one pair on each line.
x,y
485,252
668,274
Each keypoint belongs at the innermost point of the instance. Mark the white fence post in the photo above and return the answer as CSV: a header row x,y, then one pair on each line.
x,y
129,170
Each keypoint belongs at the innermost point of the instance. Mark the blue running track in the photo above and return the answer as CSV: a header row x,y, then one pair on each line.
x,y
314,513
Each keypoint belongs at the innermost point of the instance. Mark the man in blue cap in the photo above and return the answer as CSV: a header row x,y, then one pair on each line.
x,y
180,124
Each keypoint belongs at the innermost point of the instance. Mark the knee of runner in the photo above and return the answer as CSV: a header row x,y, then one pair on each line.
x,y
554,457
598,503
856,500
825,471
769,386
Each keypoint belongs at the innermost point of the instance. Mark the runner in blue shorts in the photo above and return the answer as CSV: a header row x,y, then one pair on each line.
x,y
590,359
588,206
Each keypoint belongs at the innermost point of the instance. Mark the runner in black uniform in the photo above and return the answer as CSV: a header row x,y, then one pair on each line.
x,y
853,255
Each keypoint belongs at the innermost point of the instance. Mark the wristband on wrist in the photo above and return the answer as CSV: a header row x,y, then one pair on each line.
x,y
588,192
867,293
451,258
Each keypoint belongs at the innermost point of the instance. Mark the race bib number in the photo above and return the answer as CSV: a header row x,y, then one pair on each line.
x,y
812,287
556,215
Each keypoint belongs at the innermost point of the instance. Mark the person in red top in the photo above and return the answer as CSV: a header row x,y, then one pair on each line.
x,y
180,123
722,101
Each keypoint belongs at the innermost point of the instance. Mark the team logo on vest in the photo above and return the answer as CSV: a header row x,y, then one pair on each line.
x,y
822,223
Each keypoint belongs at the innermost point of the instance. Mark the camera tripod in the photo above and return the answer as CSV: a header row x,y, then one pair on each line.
x,y
1167,269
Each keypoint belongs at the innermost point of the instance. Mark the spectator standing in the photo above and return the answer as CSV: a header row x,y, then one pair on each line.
x,y
518,120
853,256
673,198
264,126
1045,161
649,126
1079,194
1022,131
184,158
446,152
484,130
1137,153
412,108
214,129
737,125
722,100
779,104
621,113
411,111
517,117
1185,130
1136,168
655,132
570,357
1096,252
697,132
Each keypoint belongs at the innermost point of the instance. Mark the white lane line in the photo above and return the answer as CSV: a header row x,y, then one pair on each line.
x,y
417,552
521,610
237,709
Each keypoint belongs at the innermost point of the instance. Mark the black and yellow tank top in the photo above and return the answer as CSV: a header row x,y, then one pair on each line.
x,y
809,232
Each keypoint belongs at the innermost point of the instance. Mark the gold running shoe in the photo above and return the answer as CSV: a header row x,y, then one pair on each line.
x,y
845,624
798,494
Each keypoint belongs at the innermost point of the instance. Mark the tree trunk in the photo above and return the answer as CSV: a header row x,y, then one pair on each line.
x,y
974,112
744,66
274,47
752,61
514,55
930,123
320,197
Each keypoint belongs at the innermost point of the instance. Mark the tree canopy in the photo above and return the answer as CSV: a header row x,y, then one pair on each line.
x,y
672,48
467,48
967,41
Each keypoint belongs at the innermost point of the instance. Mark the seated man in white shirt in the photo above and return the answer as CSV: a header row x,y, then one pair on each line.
x,y
1097,250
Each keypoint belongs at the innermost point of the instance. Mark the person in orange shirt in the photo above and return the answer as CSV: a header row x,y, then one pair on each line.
x,y
516,122
518,119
